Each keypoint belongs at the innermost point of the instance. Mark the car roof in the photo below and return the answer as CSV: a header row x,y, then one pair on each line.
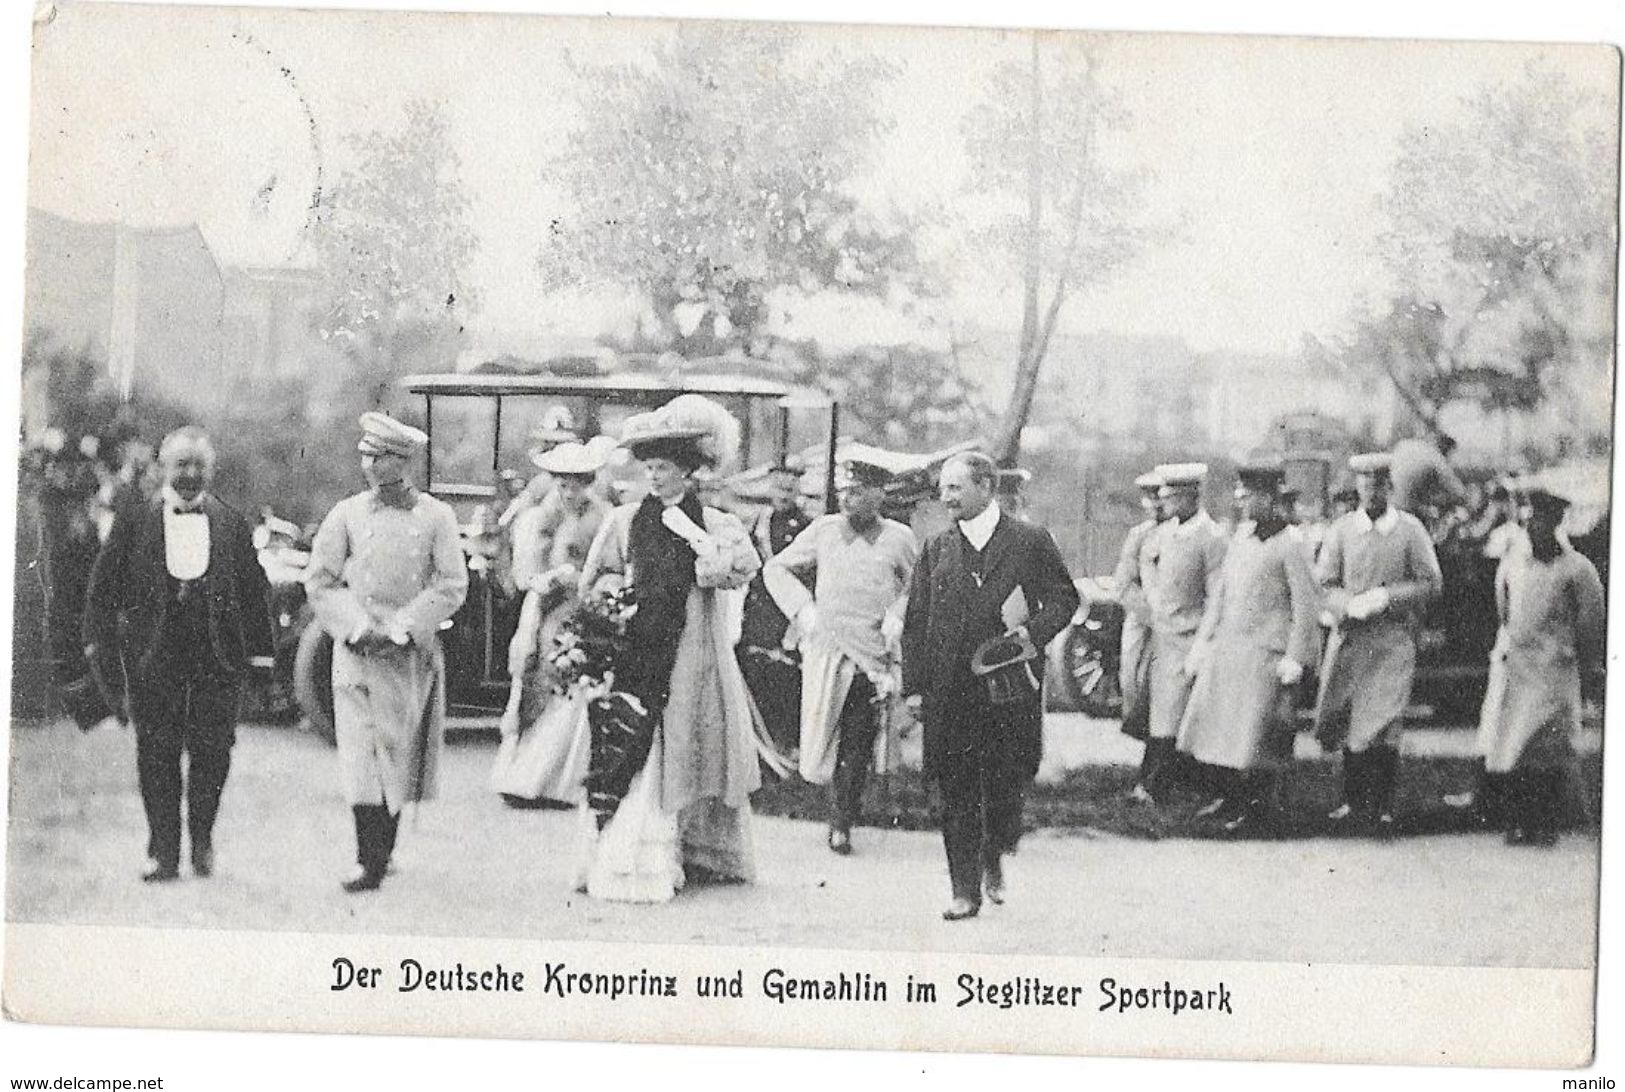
x,y
625,383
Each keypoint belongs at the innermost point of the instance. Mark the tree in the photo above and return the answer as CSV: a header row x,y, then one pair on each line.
x,y
1500,240
718,174
394,241
904,397
1037,140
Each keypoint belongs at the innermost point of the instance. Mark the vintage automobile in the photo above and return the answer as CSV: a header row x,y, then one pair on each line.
x,y
479,426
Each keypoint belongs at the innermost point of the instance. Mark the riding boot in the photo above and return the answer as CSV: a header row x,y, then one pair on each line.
x,y
1491,799
1520,804
1384,779
1384,775
389,828
370,854
1263,796
1251,811
1355,780
1547,813
1154,766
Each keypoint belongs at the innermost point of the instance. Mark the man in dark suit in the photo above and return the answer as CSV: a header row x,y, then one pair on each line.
x,y
987,577
176,613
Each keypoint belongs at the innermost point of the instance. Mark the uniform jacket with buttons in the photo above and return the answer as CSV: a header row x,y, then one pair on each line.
x,y
373,562
1394,552
1180,568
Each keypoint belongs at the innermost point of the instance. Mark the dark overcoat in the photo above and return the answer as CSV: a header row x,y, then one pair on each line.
x,y
950,614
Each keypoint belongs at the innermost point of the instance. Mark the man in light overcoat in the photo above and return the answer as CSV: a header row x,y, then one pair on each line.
x,y
1180,566
849,625
1134,661
1258,637
386,569
1378,572
1550,603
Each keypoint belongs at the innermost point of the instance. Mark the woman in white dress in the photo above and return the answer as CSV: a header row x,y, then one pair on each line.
x,y
674,753
544,752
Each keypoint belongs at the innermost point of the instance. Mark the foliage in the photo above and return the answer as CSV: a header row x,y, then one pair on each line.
x,y
393,240
721,173
591,640
1500,240
903,397
1070,216
87,422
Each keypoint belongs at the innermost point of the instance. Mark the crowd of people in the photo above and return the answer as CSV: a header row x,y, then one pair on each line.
x,y
1222,629
666,650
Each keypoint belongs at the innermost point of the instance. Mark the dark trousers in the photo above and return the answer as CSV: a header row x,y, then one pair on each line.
x,y
980,784
179,715
854,752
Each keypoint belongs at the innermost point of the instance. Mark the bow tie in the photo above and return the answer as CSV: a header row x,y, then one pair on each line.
x,y
186,510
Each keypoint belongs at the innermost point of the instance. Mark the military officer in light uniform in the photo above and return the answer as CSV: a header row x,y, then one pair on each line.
x,y
1552,614
386,569
849,624
1259,635
1135,660
1378,572
1180,567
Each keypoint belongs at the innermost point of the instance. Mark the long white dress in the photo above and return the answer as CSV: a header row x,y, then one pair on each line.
x,y
688,808
546,757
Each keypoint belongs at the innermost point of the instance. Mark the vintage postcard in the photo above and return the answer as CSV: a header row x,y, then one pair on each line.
x,y
811,535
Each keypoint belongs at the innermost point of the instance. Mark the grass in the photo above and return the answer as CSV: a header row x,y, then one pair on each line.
x,y
1094,799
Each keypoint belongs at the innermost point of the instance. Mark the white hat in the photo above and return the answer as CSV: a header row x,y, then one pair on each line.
x,y
1181,475
572,458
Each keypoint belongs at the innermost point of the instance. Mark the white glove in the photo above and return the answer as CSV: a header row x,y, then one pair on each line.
x,y
1289,671
891,629
1368,604
1196,659
553,578
807,620
676,521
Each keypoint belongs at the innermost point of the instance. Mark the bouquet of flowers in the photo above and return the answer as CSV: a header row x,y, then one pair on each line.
x,y
590,639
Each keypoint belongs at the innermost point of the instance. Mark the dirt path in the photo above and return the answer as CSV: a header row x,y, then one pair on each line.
x,y
472,867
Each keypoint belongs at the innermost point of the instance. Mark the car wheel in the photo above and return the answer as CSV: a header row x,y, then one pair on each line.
x,y
1086,673
313,681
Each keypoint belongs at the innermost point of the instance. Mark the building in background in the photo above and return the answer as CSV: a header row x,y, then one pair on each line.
x,y
167,318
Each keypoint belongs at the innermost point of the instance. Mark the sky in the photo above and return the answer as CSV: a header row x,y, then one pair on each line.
x,y
1270,152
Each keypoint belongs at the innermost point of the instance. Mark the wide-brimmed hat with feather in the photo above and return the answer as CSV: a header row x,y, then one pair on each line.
x,y
690,429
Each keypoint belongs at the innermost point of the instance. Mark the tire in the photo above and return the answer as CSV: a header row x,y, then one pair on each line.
x,y
313,681
1088,674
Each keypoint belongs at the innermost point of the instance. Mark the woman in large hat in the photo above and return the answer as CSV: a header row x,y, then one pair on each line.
x,y
544,739
674,757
